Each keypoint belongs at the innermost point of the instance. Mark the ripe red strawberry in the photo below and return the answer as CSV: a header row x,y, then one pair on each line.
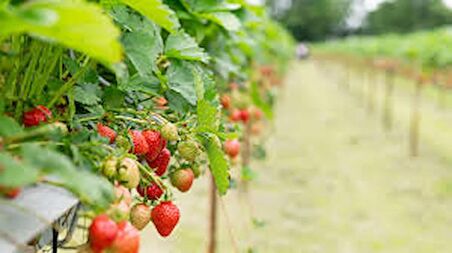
x,y
140,146
106,132
10,193
225,101
152,192
155,142
182,179
165,217
232,148
161,101
127,240
160,164
140,216
244,115
102,232
235,115
36,116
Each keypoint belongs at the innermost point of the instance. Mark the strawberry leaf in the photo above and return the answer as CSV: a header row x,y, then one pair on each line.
x,y
207,117
217,162
181,46
90,188
8,126
61,21
156,11
181,80
15,173
227,20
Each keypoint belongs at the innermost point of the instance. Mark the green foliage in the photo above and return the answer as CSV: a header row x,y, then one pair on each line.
x,y
218,164
55,20
156,11
429,50
407,16
130,64
312,20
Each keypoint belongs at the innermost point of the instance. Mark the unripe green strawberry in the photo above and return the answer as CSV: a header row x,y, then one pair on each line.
x,y
140,216
196,170
128,173
182,179
123,143
188,150
169,132
110,167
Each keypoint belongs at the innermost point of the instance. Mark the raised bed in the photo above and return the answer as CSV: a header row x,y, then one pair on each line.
x,y
33,220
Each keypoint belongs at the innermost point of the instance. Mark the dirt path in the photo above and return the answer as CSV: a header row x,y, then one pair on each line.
x,y
333,182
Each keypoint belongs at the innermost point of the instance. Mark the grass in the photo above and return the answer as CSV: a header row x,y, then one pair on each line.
x,y
334,181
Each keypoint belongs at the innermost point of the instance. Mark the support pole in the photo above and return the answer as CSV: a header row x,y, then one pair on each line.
x,y
213,217
387,101
415,120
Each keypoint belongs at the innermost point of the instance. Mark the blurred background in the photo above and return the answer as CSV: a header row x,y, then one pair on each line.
x,y
314,20
360,156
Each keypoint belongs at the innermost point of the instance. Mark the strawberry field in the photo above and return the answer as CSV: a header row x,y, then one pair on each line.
x,y
126,105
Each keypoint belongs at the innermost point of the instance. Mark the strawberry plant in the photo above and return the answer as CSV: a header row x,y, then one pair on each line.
x,y
115,100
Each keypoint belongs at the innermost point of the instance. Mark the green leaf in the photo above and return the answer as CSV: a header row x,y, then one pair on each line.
x,y
210,5
15,173
76,24
208,120
8,126
217,163
177,102
156,11
181,79
227,20
181,46
88,94
91,189
142,48
148,85
113,97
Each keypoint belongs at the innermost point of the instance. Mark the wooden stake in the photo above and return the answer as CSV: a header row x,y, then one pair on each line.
x,y
414,122
387,102
213,217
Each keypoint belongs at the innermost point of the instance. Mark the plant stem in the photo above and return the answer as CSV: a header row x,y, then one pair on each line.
x,y
69,83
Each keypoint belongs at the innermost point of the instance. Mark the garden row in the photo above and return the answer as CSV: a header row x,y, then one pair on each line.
x,y
123,102
424,58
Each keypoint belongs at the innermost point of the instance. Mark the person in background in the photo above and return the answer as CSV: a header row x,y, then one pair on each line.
x,y
302,51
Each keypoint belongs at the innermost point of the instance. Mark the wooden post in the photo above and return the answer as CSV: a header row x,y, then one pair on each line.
x,y
213,218
414,121
370,91
387,100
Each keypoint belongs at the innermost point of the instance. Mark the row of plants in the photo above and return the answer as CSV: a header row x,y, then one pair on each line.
x,y
124,101
423,54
